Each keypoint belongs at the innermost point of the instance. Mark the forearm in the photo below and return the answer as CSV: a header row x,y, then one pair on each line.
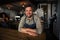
x,y
23,30
32,32
29,31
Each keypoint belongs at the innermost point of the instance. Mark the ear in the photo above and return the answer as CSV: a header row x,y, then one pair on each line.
x,y
24,12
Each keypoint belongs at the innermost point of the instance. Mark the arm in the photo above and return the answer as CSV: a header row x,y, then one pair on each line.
x,y
21,29
21,24
32,32
29,31
39,26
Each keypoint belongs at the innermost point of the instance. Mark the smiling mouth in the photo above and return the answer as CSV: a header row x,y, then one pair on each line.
x,y
29,16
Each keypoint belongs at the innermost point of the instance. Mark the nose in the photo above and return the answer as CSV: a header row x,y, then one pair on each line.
x,y
28,12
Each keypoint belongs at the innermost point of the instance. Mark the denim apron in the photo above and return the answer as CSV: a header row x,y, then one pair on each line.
x,y
32,26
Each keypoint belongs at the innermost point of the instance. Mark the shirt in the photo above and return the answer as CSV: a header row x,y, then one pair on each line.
x,y
37,21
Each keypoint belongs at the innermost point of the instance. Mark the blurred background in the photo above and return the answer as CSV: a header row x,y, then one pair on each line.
x,y
11,12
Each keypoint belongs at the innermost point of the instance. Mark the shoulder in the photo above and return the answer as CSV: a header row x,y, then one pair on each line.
x,y
36,16
23,17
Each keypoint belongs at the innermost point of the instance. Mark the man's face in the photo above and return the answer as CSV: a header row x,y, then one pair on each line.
x,y
28,11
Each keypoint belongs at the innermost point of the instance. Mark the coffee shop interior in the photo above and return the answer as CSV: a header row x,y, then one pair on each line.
x,y
11,12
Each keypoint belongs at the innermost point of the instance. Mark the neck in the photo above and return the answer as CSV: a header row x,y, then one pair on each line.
x,y
29,18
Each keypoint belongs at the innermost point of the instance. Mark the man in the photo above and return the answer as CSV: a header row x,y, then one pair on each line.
x,y
30,24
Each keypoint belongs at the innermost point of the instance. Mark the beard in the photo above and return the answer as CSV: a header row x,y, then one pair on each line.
x,y
29,16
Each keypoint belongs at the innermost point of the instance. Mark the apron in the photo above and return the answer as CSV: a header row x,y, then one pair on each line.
x,y
32,26
24,36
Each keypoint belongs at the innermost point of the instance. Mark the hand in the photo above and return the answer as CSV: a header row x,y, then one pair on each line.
x,y
23,30
32,32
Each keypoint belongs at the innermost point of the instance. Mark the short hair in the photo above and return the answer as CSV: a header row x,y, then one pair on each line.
x,y
29,5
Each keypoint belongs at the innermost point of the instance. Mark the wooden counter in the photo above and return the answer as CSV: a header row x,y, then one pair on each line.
x,y
10,34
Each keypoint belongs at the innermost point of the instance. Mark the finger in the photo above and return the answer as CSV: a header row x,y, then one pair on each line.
x,y
32,34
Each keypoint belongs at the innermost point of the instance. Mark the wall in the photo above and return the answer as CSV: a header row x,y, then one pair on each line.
x,y
58,21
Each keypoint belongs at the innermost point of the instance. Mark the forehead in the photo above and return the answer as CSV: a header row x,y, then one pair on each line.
x,y
28,8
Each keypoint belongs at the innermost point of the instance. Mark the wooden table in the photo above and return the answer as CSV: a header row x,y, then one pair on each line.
x,y
10,34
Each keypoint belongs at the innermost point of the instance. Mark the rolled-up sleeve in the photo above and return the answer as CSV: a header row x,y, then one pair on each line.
x,y
39,26
21,23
